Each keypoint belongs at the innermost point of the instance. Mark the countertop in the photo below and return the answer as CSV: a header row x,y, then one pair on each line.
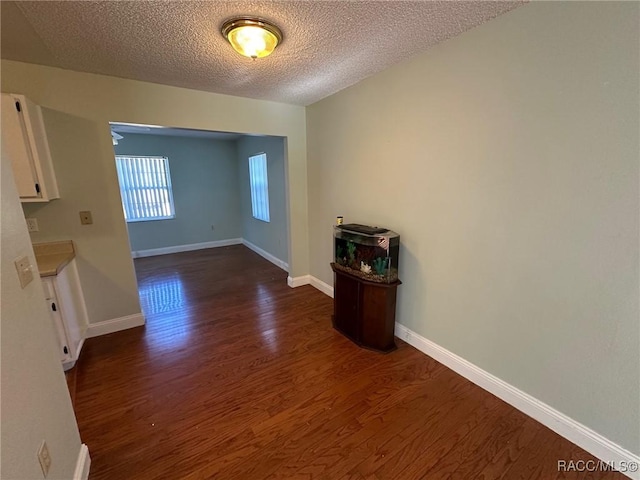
x,y
52,257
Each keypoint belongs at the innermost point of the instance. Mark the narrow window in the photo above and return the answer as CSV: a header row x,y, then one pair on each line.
x,y
259,187
145,188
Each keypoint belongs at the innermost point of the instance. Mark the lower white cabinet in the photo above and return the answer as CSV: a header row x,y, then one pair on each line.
x,y
65,303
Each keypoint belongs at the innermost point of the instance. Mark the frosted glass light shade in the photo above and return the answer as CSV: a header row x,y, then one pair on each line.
x,y
252,38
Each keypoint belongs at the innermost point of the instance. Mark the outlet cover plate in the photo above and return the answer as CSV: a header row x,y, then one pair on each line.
x,y
44,458
32,225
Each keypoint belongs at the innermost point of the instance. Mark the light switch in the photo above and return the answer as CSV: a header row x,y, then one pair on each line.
x,y
86,218
25,271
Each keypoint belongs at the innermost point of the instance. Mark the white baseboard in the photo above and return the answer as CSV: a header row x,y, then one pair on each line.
x,y
185,248
115,325
320,285
218,243
83,464
264,254
575,432
294,282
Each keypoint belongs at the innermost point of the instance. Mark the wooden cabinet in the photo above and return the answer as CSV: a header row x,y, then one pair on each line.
x,y
365,311
24,141
65,303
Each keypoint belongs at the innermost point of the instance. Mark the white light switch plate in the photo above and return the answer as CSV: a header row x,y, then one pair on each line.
x,y
25,271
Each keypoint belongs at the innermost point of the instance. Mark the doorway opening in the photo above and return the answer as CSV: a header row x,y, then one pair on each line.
x,y
186,190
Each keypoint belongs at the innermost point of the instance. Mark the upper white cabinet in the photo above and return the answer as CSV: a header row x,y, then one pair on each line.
x,y
24,140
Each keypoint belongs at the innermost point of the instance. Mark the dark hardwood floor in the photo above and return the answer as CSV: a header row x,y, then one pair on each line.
x,y
238,376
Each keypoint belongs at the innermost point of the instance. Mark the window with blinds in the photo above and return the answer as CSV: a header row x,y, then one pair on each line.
x,y
259,187
145,188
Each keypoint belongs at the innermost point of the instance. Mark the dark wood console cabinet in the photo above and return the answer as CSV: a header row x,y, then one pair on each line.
x,y
365,312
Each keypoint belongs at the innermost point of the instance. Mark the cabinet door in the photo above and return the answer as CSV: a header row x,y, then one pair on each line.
x,y
24,139
55,313
345,303
72,306
15,144
63,344
378,304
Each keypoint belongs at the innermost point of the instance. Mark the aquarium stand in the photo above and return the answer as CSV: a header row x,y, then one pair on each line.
x,y
364,311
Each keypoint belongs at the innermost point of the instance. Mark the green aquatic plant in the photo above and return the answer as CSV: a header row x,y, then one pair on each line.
x,y
379,265
351,248
339,253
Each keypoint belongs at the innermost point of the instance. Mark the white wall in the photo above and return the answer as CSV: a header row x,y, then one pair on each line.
x,y
204,181
78,109
35,403
507,159
270,236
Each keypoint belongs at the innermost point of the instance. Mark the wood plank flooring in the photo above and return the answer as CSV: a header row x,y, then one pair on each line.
x,y
238,376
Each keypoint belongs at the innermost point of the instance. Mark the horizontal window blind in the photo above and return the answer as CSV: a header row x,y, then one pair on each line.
x,y
259,187
145,188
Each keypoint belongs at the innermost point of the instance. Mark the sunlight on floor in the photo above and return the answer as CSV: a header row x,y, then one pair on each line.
x,y
162,296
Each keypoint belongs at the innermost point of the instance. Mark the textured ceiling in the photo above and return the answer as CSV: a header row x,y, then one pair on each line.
x,y
327,46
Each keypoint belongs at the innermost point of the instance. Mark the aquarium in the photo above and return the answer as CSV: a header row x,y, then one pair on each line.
x,y
370,253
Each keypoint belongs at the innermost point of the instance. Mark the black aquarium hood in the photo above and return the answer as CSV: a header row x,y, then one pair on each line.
x,y
366,229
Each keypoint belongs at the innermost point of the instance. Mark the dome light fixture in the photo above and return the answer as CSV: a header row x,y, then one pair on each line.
x,y
252,37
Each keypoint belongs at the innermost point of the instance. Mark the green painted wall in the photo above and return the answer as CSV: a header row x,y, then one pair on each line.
x,y
35,400
507,159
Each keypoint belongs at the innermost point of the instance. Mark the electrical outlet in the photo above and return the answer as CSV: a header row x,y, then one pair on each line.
x,y
32,225
25,271
44,458
86,218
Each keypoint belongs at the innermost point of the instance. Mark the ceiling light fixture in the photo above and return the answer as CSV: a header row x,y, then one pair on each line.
x,y
252,37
